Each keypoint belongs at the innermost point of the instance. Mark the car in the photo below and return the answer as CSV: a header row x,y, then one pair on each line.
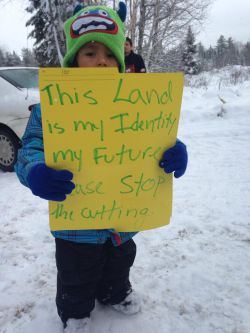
x,y
18,92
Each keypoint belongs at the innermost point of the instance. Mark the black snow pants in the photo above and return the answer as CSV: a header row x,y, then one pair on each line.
x,y
86,272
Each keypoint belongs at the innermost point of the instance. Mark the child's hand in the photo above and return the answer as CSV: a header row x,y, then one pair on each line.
x,y
175,159
50,184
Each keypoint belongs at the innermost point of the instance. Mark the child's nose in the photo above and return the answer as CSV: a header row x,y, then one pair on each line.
x,y
102,61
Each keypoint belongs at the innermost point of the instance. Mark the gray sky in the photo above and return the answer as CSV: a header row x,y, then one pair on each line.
x,y
13,33
230,18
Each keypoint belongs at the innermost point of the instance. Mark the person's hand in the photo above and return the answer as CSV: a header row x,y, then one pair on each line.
x,y
50,184
175,159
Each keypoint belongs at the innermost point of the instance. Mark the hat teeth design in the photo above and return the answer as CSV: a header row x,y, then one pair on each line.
x,y
91,22
92,27
89,19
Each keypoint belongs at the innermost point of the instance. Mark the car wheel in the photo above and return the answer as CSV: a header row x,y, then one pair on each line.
x,y
8,150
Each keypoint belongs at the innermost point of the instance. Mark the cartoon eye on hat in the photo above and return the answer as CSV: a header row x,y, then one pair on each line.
x,y
102,12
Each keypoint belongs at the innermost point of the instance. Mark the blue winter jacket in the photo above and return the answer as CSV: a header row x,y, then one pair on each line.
x,y
31,153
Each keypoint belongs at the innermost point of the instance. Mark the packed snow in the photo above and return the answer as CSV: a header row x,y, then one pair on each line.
x,y
193,275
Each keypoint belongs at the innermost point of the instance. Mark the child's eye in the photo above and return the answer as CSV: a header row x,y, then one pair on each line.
x,y
89,54
110,55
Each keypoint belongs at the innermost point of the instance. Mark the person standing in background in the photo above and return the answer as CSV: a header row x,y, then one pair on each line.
x,y
134,62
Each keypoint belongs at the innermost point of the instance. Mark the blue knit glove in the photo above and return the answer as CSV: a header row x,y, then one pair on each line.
x,y
175,159
50,184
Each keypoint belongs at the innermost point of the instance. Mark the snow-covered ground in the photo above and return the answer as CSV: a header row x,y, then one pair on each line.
x,y
194,275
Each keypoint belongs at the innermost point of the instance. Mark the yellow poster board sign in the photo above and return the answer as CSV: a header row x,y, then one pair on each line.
x,y
110,130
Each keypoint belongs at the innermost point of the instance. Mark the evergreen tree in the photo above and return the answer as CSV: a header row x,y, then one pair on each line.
x,y
28,58
2,58
221,52
39,22
226,52
210,53
232,52
201,52
47,22
173,60
210,56
246,54
16,59
189,60
12,59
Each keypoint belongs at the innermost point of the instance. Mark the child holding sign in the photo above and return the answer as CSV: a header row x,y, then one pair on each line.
x,y
91,264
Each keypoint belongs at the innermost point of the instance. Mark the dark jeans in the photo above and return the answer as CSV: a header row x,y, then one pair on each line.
x,y
91,271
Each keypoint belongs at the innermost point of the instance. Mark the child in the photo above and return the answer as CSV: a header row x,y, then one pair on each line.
x,y
91,264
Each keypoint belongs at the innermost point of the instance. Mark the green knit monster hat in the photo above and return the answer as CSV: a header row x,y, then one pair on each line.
x,y
96,23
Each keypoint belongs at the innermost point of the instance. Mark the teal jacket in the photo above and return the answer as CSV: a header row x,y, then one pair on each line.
x,y
31,153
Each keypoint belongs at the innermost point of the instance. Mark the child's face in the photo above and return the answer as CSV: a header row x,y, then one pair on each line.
x,y
95,54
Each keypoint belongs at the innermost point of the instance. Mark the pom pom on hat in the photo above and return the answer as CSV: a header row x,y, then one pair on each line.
x,y
122,11
77,8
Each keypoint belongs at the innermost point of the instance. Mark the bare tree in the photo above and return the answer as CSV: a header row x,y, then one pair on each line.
x,y
57,33
156,26
141,25
153,39
131,21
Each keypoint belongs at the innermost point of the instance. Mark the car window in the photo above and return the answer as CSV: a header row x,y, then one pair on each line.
x,y
21,78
